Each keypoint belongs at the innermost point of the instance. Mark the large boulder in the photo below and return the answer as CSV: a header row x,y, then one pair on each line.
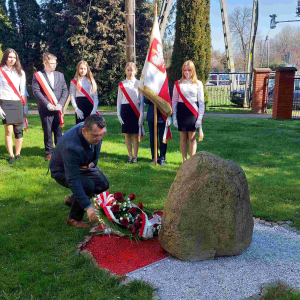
x,y
207,212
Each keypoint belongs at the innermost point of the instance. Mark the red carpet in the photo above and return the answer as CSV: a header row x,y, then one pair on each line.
x,y
121,256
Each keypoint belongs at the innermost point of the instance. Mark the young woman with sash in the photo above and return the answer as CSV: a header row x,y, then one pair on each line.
x,y
83,92
130,110
188,108
13,102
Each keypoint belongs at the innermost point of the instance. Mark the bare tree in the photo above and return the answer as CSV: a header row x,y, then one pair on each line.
x,y
240,26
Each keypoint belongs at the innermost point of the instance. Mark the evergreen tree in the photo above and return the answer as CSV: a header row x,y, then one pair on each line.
x,y
192,38
12,13
3,5
7,34
29,36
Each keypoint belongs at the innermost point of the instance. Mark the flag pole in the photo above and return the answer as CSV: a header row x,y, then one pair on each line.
x,y
155,107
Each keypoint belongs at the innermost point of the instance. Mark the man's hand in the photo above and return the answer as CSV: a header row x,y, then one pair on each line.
x,y
2,113
168,122
86,168
58,107
51,107
92,214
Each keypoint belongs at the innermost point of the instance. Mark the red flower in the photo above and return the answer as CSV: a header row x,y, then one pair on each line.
x,y
125,222
131,197
115,208
133,230
119,196
140,217
133,211
158,212
140,205
137,224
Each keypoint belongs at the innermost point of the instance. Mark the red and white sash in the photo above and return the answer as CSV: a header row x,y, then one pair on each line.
x,y
84,92
49,93
25,122
191,106
133,106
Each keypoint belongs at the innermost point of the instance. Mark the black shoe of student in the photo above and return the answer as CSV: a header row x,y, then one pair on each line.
x,y
18,157
152,161
11,160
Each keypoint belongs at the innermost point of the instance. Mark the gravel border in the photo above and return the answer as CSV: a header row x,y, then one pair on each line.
x,y
273,255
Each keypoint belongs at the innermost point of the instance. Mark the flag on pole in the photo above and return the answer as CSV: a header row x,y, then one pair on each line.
x,y
154,82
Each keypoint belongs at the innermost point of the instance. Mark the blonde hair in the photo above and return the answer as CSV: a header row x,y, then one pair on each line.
x,y
131,64
47,57
89,76
192,66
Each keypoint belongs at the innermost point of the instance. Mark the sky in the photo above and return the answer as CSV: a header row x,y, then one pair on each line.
x,y
284,9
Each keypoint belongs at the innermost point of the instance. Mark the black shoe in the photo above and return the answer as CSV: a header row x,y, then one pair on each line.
x,y
18,157
11,160
152,161
129,160
134,160
162,162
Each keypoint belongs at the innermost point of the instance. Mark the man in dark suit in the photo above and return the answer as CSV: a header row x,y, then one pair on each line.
x,y
74,166
49,113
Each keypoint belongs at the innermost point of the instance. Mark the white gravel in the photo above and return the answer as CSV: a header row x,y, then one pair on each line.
x,y
273,255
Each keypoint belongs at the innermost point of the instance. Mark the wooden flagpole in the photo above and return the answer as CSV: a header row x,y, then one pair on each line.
x,y
155,107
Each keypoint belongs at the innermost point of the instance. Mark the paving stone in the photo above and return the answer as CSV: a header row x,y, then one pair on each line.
x,y
262,221
268,224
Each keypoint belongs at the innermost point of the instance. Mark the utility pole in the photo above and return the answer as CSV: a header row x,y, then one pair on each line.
x,y
130,30
251,52
228,45
163,16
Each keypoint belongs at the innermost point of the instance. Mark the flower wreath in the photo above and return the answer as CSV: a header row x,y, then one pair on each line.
x,y
123,217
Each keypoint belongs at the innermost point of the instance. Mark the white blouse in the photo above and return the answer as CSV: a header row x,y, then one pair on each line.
x,y
6,92
131,87
193,92
86,85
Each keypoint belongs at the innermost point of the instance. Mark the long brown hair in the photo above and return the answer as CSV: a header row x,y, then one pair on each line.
x,y
17,66
192,66
89,76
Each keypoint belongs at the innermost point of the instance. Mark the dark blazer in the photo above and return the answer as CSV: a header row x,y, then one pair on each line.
x,y
60,90
71,152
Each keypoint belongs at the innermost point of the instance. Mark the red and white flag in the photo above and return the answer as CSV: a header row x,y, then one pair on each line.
x,y
154,82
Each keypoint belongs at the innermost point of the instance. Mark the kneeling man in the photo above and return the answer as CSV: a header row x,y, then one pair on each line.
x,y
74,166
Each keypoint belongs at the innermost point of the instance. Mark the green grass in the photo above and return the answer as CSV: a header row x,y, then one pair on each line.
x,y
38,251
281,292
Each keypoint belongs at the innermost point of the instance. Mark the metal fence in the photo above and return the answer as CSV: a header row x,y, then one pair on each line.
x,y
296,96
224,89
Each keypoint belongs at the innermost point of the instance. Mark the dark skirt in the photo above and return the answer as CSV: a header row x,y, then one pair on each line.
x,y
130,119
85,106
186,119
13,110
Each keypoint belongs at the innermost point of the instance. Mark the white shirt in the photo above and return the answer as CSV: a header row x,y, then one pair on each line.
x,y
193,92
51,78
6,92
131,87
86,85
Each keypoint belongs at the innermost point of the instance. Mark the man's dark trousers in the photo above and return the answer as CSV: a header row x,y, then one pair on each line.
x,y
93,182
160,135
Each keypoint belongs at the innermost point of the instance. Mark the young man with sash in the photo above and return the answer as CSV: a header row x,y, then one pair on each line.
x,y
188,108
50,89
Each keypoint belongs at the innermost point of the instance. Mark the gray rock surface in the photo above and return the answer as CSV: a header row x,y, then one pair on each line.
x,y
207,211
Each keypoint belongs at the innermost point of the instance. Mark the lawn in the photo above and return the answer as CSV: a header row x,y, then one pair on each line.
x,y
38,250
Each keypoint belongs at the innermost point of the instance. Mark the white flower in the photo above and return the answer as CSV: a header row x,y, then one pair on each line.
x,y
121,218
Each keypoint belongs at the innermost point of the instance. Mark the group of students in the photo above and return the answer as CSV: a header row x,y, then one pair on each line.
x,y
50,89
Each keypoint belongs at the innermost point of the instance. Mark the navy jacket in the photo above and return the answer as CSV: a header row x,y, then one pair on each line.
x,y
71,152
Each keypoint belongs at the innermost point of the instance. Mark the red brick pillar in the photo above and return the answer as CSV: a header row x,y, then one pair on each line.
x,y
283,93
260,90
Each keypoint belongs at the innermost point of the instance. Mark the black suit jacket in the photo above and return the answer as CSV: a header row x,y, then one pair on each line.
x,y
60,90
